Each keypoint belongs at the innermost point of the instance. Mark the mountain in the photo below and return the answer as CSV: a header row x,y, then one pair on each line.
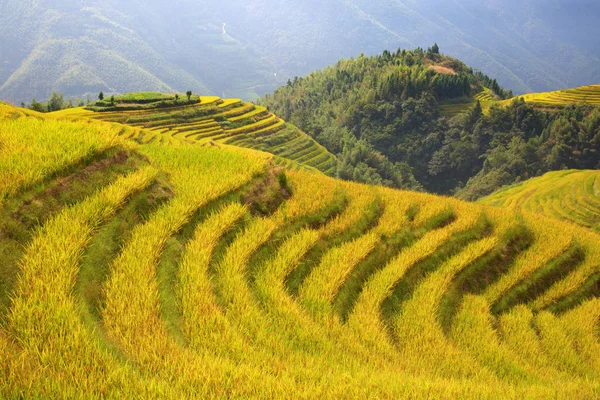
x,y
246,48
424,114
170,269
83,47
528,46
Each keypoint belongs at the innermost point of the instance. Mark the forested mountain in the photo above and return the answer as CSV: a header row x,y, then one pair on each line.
x,y
247,48
381,115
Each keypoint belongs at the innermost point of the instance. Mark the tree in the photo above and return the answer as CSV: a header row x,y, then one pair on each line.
x,y
37,106
112,100
189,95
435,49
474,114
101,96
176,97
56,102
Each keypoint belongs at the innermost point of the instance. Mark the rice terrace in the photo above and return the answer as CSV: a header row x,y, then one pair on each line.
x,y
300,200
187,252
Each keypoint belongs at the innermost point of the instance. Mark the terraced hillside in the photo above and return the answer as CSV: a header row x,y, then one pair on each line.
x,y
453,108
568,195
581,95
586,95
157,271
229,121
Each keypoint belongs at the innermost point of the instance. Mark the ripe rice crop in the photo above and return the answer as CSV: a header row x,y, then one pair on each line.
x,y
32,148
202,293
212,121
568,195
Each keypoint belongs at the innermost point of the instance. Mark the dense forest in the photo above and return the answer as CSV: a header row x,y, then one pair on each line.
x,y
381,116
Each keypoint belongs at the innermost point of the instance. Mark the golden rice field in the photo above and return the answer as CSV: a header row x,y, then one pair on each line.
x,y
158,271
570,195
219,121
589,95
584,95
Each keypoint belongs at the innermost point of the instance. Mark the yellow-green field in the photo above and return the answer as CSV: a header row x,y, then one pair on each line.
x,y
584,95
155,270
218,121
568,195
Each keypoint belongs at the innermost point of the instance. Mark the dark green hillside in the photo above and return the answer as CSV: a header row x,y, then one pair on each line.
x,y
387,118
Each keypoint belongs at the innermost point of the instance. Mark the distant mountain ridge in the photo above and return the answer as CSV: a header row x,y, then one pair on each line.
x,y
80,47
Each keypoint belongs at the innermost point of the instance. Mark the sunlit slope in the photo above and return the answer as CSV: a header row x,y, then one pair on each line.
x,y
568,195
158,271
229,121
589,95
584,95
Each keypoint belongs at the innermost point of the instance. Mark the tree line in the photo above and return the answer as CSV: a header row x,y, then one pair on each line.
x,y
56,102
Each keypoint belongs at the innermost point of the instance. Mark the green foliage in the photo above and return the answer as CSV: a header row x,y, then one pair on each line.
x,y
452,86
522,142
56,102
143,97
493,85
142,101
381,115
363,164
37,106
283,182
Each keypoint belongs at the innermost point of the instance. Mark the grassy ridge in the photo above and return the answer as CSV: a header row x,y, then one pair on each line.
x,y
436,304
